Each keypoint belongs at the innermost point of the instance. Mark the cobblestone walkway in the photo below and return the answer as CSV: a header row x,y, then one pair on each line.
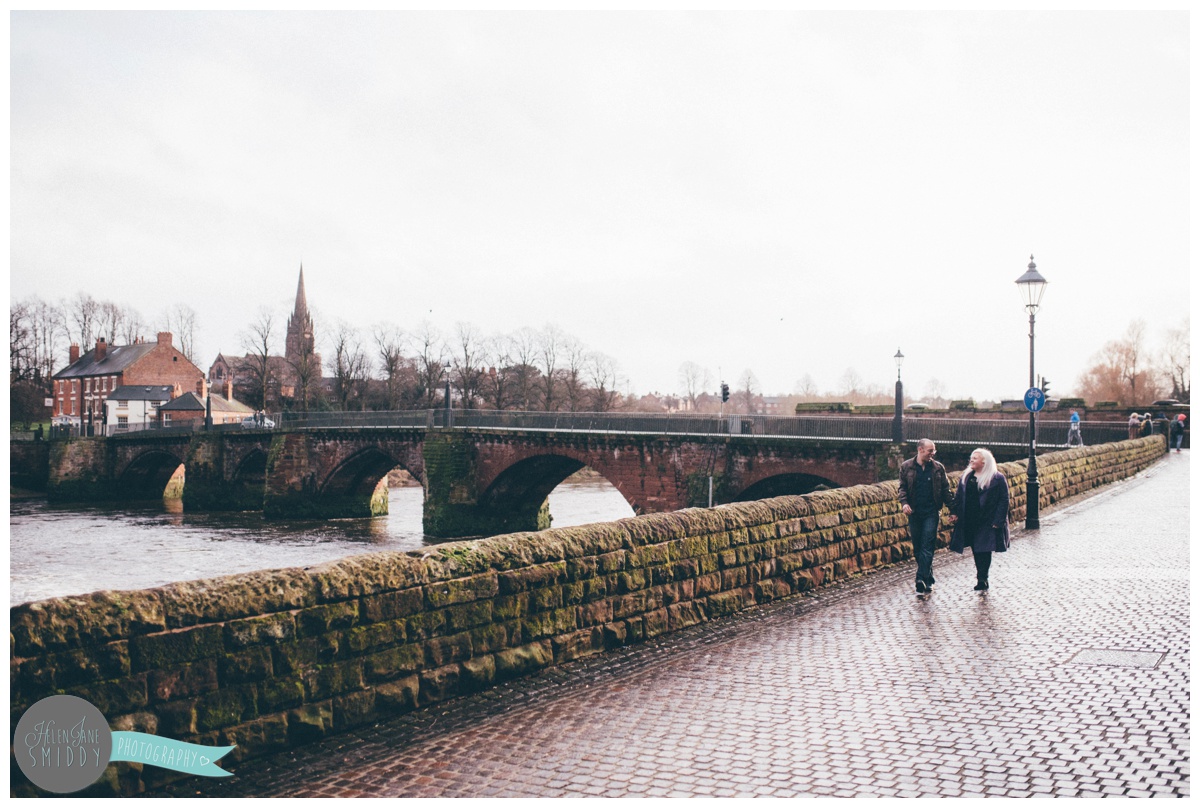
x,y
1069,678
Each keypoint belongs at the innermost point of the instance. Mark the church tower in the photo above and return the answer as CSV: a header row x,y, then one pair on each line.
x,y
300,341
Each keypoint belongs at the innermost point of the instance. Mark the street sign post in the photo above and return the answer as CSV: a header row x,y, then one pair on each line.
x,y
1035,399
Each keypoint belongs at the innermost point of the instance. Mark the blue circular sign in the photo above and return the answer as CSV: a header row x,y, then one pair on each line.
x,y
1035,399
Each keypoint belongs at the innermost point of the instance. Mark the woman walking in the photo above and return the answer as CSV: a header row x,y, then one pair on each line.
x,y
981,505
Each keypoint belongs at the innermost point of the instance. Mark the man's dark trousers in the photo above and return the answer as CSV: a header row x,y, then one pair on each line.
x,y
922,527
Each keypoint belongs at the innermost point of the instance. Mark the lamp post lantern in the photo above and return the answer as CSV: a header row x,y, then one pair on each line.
x,y
898,417
1032,285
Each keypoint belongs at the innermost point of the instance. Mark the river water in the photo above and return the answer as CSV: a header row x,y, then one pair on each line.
x,y
61,551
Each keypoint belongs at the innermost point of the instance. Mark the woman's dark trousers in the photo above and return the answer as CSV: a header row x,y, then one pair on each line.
x,y
922,528
983,562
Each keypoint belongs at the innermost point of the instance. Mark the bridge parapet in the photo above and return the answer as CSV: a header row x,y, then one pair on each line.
x,y
270,660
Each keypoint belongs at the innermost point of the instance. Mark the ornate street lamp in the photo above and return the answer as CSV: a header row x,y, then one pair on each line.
x,y
898,417
1032,285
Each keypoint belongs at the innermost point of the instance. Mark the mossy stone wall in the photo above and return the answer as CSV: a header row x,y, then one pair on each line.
x,y
273,659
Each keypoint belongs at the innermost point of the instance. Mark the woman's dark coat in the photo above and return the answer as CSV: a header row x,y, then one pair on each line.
x,y
993,516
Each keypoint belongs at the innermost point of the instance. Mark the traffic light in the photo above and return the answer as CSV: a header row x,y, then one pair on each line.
x,y
1045,387
724,392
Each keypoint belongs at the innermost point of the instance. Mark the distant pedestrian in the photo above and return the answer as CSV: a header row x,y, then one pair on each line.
x,y
1177,428
1074,435
924,490
1146,425
981,505
1135,425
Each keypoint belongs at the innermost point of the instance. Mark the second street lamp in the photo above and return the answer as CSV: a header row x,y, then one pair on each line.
x,y
1032,286
898,417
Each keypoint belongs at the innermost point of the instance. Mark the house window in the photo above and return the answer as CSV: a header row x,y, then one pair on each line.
x,y
166,417
122,422
122,405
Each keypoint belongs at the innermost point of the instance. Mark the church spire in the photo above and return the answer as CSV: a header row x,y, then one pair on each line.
x,y
300,315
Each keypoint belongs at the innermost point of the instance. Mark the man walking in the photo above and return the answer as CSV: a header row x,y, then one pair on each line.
x,y
924,491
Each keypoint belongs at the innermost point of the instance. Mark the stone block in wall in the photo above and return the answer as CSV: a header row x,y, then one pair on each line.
x,y
304,654
682,615
251,665
367,574
125,694
494,637
226,707
438,684
266,630
51,672
478,673
425,625
374,636
280,693
534,577
544,599
173,648
249,594
391,605
519,661
578,644
321,619
461,590
392,662
332,679
353,709
73,622
441,651
261,736
310,722
469,615
549,624
183,681
399,696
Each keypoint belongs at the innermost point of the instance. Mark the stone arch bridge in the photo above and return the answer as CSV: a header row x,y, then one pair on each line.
x,y
477,481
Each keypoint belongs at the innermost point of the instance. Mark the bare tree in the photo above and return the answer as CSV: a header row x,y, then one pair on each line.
x,y
574,364
1177,360
806,388
523,346
465,369
749,390
48,332
132,328
349,367
431,362
84,313
851,384
256,341
693,381
389,346
935,393
180,320
602,372
550,344
496,385
305,368
1120,371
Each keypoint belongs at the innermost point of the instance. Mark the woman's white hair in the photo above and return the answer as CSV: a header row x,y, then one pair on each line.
x,y
984,477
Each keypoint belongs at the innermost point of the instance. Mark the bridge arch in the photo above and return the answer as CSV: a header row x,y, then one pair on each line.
x,y
356,486
519,495
146,476
786,484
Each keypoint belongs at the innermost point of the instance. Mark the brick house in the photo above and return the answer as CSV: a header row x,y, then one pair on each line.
x,y
85,384
192,407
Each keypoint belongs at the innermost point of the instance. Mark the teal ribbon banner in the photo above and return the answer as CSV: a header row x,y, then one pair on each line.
x,y
168,753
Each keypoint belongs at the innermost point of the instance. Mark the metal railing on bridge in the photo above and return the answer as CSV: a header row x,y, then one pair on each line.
x,y
954,431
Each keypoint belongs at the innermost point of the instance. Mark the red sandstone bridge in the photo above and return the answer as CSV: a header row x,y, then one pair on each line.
x,y
486,473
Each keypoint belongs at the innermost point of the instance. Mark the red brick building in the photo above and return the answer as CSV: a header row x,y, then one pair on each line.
x,y
194,407
85,384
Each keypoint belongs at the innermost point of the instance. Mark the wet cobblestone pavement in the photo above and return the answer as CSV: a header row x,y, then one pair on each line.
x,y
1069,678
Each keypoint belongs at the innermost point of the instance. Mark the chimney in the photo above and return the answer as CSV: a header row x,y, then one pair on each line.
x,y
201,386
164,338
73,356
101,348
228,389
176,391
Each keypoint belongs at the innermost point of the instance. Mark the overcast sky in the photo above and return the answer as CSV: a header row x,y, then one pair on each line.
x,y
788,193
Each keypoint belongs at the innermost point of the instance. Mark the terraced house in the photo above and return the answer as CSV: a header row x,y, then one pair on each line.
x,y
82,388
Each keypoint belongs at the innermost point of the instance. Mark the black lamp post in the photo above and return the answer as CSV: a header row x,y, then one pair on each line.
x,y
1032,285
898,417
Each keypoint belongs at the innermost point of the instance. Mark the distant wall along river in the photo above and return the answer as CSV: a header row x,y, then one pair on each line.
x,y
60,551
